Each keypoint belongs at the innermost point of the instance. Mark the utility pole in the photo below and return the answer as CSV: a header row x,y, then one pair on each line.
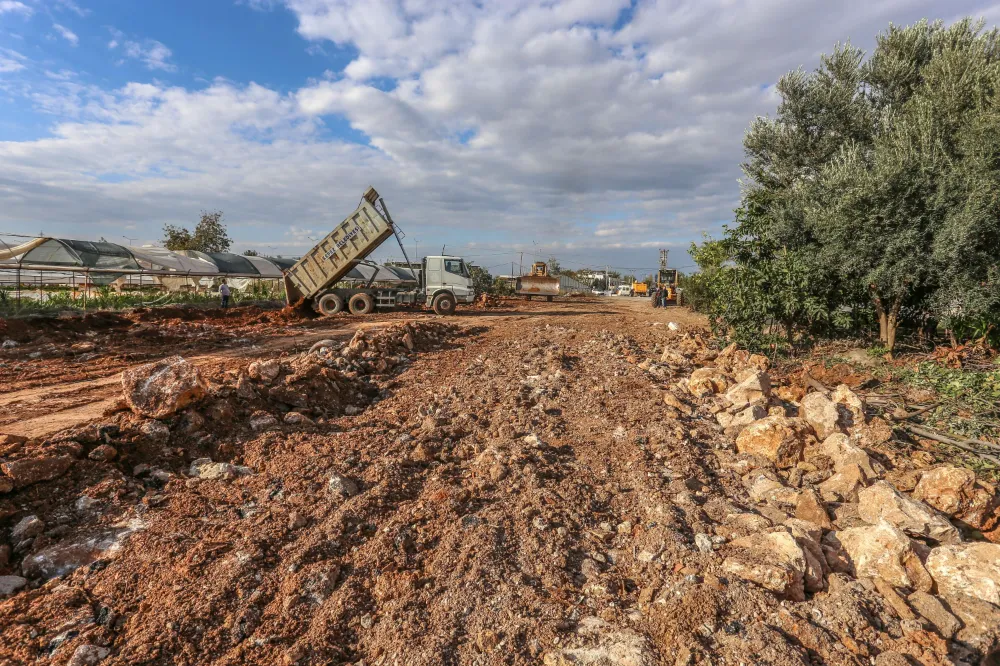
x,y
607,283
520,265
416,251
129,239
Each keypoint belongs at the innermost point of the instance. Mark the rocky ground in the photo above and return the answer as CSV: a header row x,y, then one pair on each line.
x,y
566,483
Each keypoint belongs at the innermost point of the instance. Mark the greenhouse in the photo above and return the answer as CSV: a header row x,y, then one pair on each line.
x,y
44,268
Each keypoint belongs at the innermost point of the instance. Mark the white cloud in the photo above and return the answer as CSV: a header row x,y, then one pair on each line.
x,y
72,6
11,61
15,7
153,54
66,34
586,125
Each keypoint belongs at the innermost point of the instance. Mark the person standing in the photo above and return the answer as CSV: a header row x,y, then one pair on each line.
x,y
224,293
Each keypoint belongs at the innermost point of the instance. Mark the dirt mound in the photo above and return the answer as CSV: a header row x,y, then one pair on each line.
x,y
586,490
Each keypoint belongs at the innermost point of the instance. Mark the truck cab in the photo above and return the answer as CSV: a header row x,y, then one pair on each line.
x,y
443,278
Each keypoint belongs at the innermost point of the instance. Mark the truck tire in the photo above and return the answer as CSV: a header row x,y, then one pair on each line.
x,y
361,304
329,304
444,304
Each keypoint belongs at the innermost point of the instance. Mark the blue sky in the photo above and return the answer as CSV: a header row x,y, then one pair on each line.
x,y
594,130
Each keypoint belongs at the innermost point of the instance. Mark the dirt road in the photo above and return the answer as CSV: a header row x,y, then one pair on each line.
x,y
513,491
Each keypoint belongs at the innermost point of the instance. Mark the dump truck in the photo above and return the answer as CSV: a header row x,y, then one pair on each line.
x,y
538,283
640,289
335,274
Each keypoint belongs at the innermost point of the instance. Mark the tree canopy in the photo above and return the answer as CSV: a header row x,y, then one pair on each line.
x,y
871,197
209,235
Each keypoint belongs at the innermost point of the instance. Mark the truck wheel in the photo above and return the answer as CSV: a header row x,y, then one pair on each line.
x,y
330,304
444,304
361,304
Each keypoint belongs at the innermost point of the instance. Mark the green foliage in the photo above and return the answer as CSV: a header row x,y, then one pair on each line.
x,y
482,281
976,390
209,235
502,287
105,298
554,266
873,197
251,253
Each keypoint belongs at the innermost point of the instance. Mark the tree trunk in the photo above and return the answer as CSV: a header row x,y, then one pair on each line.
x,y
892,323
883,321
888,318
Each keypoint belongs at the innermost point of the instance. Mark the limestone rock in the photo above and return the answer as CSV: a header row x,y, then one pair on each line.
x,y
743,418
808,537
931,609
67,556
777,438
773,560
88,655
765,489
708,381
809,506
971,569
672,400
954,491
35,470
754,390
850,406
882,551
158,390
11,584
155,430
882,502
980,624
103,453
675,359
602,645
265,371
821,413
26,528
844,485
839,449
262,421
341,485
204,468
295,418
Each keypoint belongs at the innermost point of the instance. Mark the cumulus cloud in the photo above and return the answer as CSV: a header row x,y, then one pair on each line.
x,y
66,34
597,128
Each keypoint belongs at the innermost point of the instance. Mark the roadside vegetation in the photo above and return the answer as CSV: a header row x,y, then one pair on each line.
x,y
57,299
871,203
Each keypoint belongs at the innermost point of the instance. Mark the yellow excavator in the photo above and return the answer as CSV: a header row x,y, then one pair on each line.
x,y
666,279
538,283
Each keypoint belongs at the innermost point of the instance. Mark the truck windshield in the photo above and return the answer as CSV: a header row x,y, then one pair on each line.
x,y
456,266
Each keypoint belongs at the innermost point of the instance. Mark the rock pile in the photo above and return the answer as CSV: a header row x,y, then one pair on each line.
x,y
174,415
829,508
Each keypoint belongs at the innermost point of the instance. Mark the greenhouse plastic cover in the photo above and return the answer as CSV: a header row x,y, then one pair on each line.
x,y
87,254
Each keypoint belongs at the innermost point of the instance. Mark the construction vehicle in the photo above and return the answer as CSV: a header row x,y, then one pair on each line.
x,y
640,289
666,279
335,275
538,283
